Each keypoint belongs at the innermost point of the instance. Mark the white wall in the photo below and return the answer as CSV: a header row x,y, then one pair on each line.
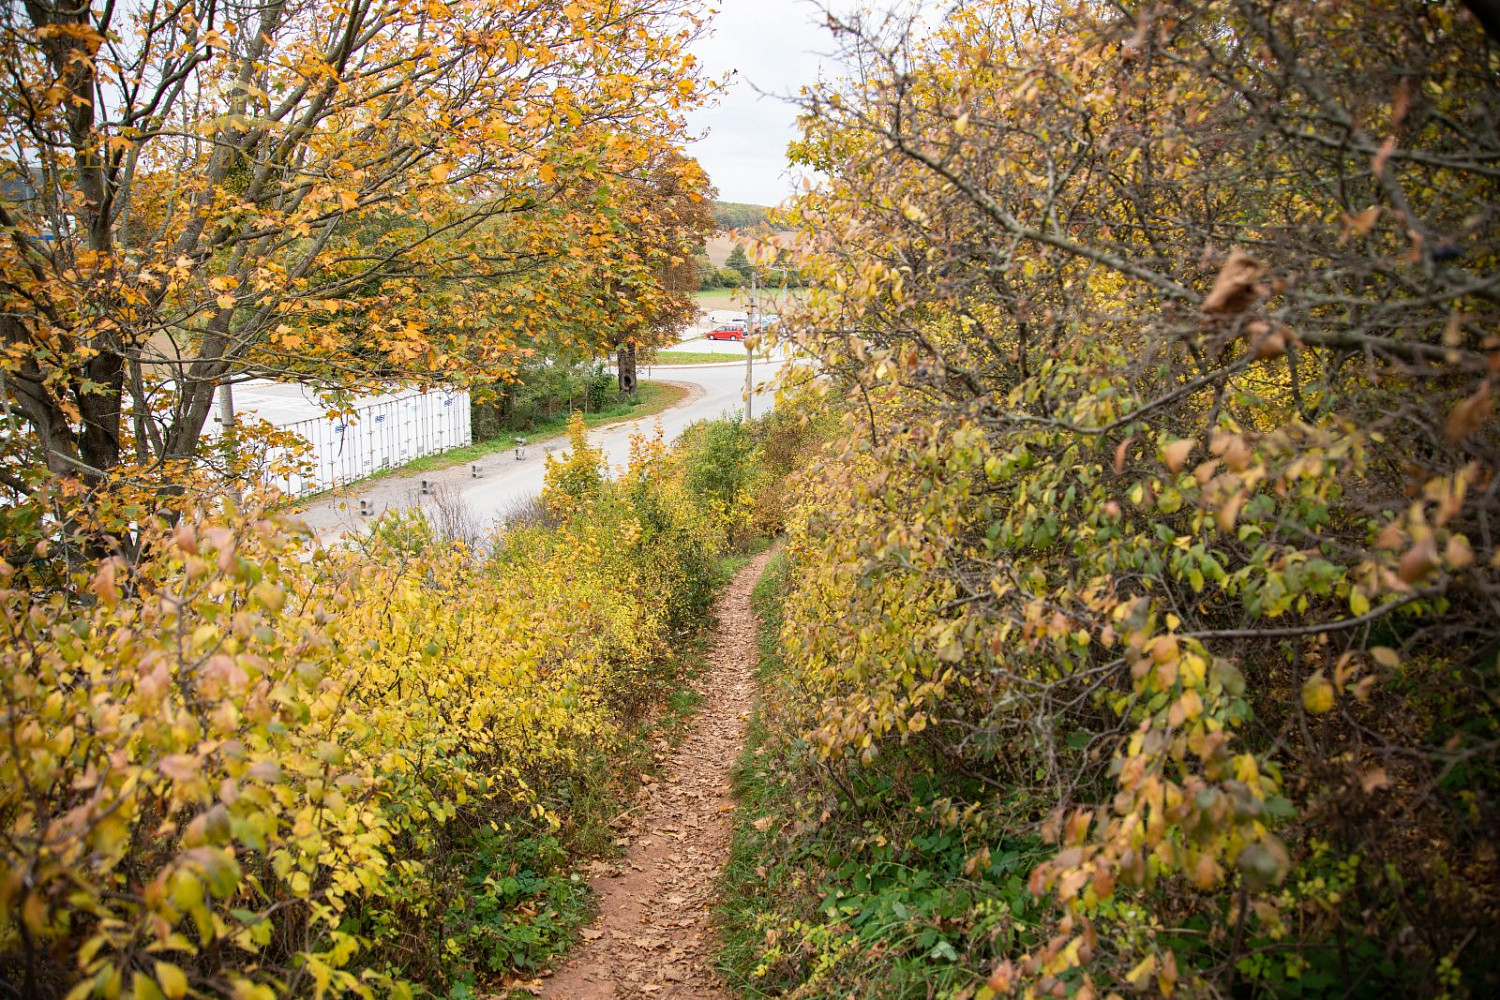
x,y
382,431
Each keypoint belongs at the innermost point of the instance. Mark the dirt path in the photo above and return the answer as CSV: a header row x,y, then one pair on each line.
x,y
652,937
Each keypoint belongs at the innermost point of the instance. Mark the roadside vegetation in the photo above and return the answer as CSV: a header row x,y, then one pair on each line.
x,y
649,400
691,358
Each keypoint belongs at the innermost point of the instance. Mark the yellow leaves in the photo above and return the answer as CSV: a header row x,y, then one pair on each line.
x,y
348,200
951,651
294,701
1143,971
171,979
1317,694
269,596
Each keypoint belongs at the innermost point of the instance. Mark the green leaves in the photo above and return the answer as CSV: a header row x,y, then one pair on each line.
x,y
264,728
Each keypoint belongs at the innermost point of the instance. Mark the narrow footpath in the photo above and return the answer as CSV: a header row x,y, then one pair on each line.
x,y
652,937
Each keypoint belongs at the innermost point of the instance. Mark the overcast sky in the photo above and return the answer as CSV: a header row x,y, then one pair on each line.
x,y
773,45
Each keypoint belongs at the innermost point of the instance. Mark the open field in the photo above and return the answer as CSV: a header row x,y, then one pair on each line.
x,y
722,244
772,300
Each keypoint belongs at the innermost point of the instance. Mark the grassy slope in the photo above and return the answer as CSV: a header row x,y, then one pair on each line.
x,y
695,358
826,897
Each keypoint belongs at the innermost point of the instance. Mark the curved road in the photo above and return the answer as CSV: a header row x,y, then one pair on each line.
x,y
505,483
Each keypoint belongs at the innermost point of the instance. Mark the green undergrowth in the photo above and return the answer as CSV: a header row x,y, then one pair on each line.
x,y
859,886
526,893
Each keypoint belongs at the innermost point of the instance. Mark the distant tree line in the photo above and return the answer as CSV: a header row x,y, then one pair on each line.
x,y
738,215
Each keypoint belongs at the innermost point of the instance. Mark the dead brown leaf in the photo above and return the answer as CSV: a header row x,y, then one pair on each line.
x,y
1234,288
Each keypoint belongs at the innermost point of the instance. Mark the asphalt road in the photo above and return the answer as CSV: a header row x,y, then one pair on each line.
x,y
506,482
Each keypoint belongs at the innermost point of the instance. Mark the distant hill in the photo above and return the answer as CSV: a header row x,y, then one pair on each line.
x,y
737,215
721,246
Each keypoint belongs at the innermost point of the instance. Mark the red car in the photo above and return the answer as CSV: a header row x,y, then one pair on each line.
x,y
726,331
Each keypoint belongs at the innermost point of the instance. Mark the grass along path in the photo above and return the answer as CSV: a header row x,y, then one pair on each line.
x,y
652,937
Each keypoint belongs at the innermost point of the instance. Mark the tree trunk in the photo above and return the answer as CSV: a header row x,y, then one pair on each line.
x,y
627,368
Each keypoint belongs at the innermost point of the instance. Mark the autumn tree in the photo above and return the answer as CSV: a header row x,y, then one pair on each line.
x,y
200,192
653,275
1163,527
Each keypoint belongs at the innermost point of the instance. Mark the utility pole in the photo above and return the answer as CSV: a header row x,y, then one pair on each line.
x,y
226,407
750,354
750,328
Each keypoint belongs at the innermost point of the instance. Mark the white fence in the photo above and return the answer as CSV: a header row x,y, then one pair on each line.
x,y
383,431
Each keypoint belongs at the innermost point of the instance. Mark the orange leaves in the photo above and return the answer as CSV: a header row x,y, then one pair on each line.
x,y
1359,224
1418,561
1176,453
1382,156
1470,414
345,192
1235,286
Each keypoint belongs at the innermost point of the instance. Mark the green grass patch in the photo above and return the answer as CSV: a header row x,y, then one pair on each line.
x,y
774,300
727,566
695,358
722,298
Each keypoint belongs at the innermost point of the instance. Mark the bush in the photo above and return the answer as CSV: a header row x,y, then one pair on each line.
x,y
244,766
1159,530
542,389
708,275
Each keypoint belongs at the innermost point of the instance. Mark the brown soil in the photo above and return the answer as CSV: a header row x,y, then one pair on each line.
x,y
652,937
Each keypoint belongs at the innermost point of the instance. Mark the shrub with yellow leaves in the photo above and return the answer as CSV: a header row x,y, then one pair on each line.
x,y
241,765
